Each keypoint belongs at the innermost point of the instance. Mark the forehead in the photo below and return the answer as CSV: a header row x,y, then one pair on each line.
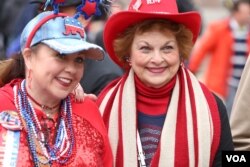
x,y
151,33
156,24
40,47
45,53
154,38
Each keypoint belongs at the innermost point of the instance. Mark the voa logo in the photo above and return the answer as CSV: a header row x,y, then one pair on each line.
x,y
236,158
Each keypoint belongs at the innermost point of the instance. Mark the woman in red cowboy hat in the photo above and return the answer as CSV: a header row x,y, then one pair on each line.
x,y
158,113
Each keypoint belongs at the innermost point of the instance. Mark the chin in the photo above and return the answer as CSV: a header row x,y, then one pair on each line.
x,y
62,95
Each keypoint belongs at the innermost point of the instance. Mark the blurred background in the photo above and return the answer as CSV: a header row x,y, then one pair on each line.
x,y
212,9
11,10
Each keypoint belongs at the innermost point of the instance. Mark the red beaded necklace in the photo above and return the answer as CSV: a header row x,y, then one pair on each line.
x,y
44,107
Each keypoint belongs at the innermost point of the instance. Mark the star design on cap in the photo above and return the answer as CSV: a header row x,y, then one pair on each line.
x,y
89,8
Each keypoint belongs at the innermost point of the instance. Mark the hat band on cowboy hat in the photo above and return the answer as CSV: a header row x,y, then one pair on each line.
x,y
60,32
140,10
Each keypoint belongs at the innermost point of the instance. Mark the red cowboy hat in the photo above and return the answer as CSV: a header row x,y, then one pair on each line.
x,y
140,10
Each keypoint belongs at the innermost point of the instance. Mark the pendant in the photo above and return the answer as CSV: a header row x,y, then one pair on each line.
x,y
47,123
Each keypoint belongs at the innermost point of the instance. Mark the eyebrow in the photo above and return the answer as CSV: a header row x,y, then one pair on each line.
x,y
166,43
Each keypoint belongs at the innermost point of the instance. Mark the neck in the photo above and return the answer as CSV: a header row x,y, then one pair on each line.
x,y
49,109
153,101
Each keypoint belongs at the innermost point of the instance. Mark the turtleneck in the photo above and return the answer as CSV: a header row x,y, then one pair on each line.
x,y
153,101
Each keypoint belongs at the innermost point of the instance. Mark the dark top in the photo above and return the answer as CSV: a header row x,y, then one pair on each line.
x,y
158,121
150,126
226,135
98,74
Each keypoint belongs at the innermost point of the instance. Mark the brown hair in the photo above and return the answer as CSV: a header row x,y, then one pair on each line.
x,y
184,37
11,69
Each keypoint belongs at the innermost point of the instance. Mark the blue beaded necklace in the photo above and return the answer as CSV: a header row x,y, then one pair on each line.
x,y
41,151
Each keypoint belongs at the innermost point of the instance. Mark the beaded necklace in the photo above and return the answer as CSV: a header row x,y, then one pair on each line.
x,y
42,153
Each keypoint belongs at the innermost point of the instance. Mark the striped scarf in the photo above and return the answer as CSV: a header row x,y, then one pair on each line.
x,y
191,131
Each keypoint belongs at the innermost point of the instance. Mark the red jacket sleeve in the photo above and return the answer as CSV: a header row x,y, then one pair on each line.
x,y
204,46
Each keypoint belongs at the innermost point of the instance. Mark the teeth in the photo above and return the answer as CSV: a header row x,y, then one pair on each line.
x,y
65,80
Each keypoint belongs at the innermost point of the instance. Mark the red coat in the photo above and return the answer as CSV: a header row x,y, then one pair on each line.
x,y
217,43
92,145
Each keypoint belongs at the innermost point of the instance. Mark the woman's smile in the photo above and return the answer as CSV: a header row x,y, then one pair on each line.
x,y
156,70
64,81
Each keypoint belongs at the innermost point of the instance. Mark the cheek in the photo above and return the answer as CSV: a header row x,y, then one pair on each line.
x,y
138,61
47,68
173,60
138,65
80,72
53,68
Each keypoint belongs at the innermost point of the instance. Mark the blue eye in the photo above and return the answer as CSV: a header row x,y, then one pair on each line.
x,y
145,49
168,47
79,60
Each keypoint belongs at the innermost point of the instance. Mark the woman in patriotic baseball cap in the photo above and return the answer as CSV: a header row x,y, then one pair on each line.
x,y
158,113
40,122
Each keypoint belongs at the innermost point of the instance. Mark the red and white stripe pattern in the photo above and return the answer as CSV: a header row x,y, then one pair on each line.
x,y
191,131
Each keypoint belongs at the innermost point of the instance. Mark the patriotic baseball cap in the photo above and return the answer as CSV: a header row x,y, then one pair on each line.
x,y
60,32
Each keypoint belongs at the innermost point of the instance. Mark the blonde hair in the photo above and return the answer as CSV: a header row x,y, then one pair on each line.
x,y
184,37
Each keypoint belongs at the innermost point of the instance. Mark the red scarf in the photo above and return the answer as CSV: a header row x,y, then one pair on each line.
x,y
191,131
153,101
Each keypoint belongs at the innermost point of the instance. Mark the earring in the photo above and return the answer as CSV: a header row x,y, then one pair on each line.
x,y
128,60
182,62
29,78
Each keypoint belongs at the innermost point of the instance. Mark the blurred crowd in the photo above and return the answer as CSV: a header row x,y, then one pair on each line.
x,y
14,16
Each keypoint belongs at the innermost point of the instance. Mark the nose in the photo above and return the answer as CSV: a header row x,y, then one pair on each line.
x,y
70,67
157,57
